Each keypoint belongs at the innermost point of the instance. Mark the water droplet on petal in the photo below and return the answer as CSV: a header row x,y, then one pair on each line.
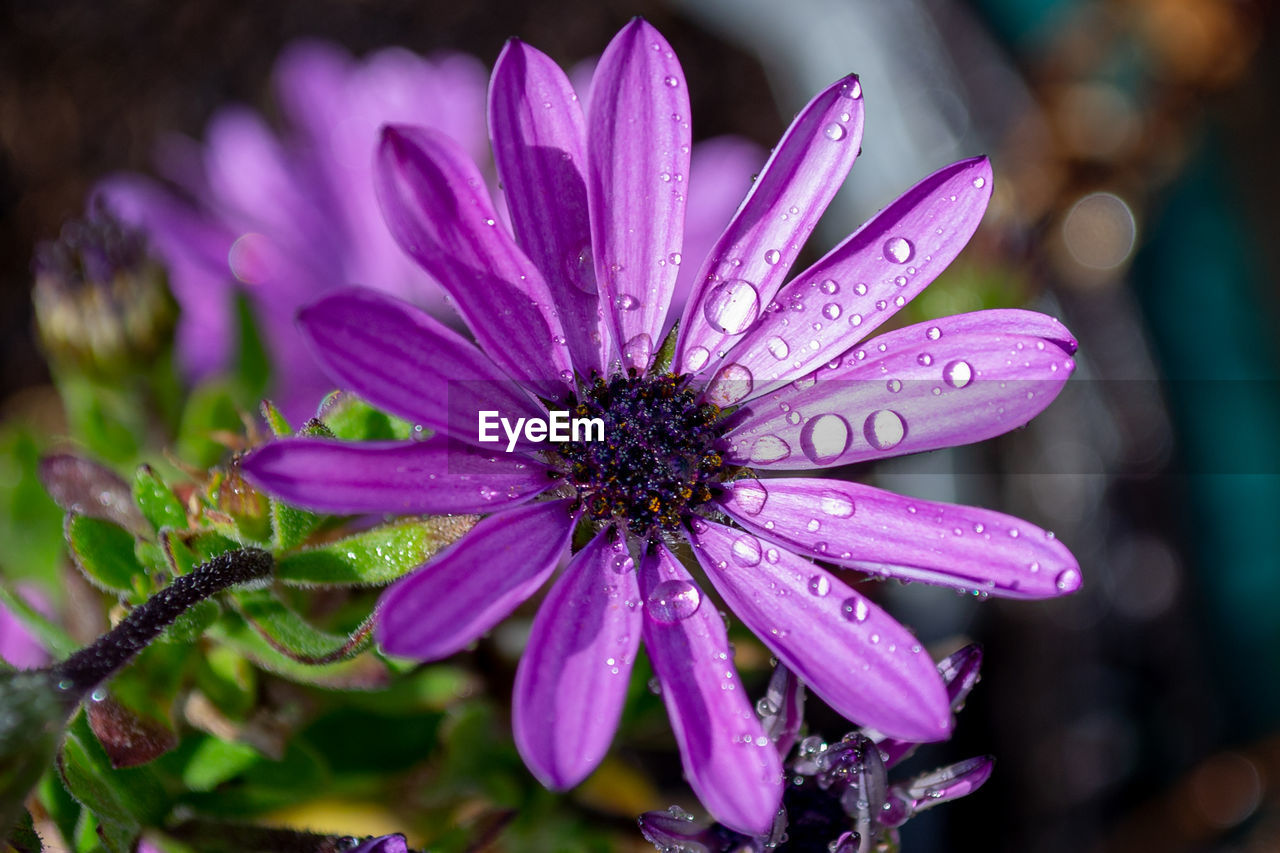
x,y
675,259
829,287
831,311
1068,580
834,132
772,256
979,182
639,349
933,333
695,358
957,374
855,609
769,448
860,289
824,438
837,505
746,550
731,384
671,82
627,302
819,585
581,269
851,89
750,496
894,385
855,319
898,250
778,348
884,429
924,359
673,600
732,306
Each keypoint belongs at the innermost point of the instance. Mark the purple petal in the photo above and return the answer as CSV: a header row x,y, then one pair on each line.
x,y
382,844
430,477
452,600
947,783
886,534
749,262
846,649
436,205
729,762
941,383
784,703
637,161
862,282
720,175
959,672
401,359
572,680
19,647
539,144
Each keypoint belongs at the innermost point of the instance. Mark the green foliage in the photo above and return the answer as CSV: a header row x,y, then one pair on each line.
x,y
103,551
373,557
155,500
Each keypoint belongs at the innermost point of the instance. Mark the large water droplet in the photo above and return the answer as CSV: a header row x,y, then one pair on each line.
x,y
831,311
1068,580
898,250
852,89
933,333
894,385
778,348
673,600
671,82
749,496
696,357
675,258
772,256
639,349
819,585
746,550
769,448
824,438
580,266
731,384
855,609
957,374
829,287
884,429
836,505
732,306
834,132
627,302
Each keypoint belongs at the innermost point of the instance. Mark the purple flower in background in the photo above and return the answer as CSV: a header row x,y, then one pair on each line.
x,y
566,316
287,218
19,647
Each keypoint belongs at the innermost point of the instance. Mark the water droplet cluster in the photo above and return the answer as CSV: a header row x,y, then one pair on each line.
x,y
660,456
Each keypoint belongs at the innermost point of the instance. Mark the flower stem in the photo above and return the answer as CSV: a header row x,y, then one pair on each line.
x,y
79,674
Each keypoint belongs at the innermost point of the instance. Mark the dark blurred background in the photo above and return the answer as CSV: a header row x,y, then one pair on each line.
x,y
1133,145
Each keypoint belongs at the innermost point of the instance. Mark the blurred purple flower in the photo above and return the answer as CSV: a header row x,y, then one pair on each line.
x,y
287,218
382,844
19,647
840,798
583,291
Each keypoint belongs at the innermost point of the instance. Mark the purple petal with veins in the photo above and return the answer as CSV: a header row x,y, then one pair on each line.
x,y
875,531
935,384
749,262
637,159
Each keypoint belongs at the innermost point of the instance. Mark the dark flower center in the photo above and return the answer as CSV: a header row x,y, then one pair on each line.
x,y
659,457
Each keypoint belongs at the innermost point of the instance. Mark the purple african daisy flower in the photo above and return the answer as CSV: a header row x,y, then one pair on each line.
x,y
566,315
285,218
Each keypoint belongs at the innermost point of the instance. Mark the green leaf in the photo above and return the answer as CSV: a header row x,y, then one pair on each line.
x,y
252,366
276,421
30,522
31,720
23,837
352,419
292,636
123,801
192,624
211,409
103,552
215,761
666,352
158,504
185,551
376,556
364,672
227,680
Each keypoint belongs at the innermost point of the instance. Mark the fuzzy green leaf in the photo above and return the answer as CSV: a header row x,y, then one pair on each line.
x,y
376,556
294,637
352,419
103,552
276,421
122,800
158,504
